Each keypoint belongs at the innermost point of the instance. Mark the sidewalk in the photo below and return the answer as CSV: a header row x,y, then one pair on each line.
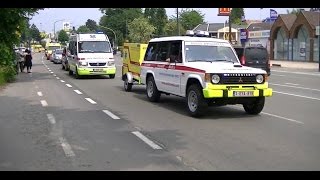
x,y
294,64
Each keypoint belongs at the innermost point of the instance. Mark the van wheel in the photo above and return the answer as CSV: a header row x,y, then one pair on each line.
x,y
70,72
196,103
255,107
63,67
77,74
127,86
152,90
111,76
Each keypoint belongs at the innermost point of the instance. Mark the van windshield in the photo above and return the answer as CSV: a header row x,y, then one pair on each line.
x,y
94,47
209,53
54,47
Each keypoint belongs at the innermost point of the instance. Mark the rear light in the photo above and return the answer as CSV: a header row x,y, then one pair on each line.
x,y
243,60
81,58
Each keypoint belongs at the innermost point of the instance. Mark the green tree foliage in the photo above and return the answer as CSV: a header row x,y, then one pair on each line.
x,y
157,17
171,28
35,33
140,30
83,29
293,11
118,19
236,14
190,18
92,25
12,26
63,36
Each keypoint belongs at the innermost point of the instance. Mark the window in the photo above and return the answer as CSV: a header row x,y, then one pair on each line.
x,y
175,51
163,52
151,52
72,47
94,47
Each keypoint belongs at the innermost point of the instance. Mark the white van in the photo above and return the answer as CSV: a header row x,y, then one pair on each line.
x,y
90,54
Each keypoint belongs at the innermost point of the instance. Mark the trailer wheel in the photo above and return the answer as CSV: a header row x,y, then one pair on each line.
x,y
127,86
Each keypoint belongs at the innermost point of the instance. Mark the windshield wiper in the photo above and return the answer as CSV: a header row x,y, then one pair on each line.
x,y
223,60
86,50
200,60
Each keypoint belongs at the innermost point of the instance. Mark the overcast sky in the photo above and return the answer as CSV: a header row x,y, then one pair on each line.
x,y
45,19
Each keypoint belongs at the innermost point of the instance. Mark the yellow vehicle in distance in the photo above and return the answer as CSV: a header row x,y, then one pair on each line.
x,y
133,55
50,47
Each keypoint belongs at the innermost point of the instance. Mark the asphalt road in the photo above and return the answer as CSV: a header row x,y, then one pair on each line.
x,y
68,132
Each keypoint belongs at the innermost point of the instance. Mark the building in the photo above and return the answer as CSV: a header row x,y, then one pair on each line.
x,y
221,30
259,34
293,37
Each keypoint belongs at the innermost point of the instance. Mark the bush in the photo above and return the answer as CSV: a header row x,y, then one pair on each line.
x,y
7,74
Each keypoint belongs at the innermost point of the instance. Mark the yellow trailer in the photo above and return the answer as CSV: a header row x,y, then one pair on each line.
x,y
133,55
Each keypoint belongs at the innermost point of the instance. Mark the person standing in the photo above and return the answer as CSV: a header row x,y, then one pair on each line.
x,y
28,60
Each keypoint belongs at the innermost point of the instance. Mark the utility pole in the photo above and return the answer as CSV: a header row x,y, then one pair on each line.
x,y
230,25
178,27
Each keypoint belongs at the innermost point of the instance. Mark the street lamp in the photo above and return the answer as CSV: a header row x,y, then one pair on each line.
x,y
54,28
115,37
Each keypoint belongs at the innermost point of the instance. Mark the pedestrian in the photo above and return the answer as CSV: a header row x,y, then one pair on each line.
x,y
28,60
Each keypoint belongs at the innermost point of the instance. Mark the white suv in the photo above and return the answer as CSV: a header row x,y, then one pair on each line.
x,y
205,71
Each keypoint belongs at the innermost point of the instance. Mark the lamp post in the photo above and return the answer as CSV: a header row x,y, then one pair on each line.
x,y
54,28
115,37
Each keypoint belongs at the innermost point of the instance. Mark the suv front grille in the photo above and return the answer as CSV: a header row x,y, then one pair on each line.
x,y
238,79
97,64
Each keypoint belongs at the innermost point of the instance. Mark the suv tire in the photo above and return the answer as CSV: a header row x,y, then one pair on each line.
x,y
196,103
127,86
255,107
152,91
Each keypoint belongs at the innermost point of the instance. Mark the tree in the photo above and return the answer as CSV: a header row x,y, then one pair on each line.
x,y
83,29
118,19
190,18
293,11
157,17
92,25
170,28
236,14
140,30
63,36
35,33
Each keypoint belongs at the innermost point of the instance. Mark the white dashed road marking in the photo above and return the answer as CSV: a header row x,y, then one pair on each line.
x,y
68,85
294,87
62,80
292,84
110,114
57,77
78,92
51,72
146,140
307,97
292,120
91,101
54,75
39,93
51,118
66,147
44,103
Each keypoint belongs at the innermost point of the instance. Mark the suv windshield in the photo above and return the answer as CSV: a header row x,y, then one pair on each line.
x,y
94,47
59,51
255,53
209,53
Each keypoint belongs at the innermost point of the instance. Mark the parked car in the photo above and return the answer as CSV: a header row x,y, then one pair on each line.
x,y
64,62
57,56
254,56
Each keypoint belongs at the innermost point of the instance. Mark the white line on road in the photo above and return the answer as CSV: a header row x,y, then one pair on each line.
x,y
77,91
307,97
57,77
39,93
54,75
303,73
68,85
66,147
44,103
288,119
49,69
91,101
62,80
295,87
292,84
110,114
51,118
146,140
51,72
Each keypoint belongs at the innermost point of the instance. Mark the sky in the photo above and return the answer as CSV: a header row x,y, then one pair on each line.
x,y
45,19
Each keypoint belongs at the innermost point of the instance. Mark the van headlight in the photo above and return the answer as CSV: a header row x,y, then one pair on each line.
x,y
81,63
110,63
215,79
259,78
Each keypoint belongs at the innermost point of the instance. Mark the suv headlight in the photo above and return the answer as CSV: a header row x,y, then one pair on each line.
x,y
110,63
259,78
81,63
215,79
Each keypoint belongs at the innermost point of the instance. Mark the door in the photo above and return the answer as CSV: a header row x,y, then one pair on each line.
x,y
72,55
174,74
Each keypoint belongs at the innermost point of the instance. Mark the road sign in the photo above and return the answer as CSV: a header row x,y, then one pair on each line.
x,y
224,11
318,30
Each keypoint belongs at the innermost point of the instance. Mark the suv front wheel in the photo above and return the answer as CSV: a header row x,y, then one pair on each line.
x,y
152,90
255,107
195,101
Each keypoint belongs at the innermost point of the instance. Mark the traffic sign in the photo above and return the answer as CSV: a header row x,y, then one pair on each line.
x,y
224,11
